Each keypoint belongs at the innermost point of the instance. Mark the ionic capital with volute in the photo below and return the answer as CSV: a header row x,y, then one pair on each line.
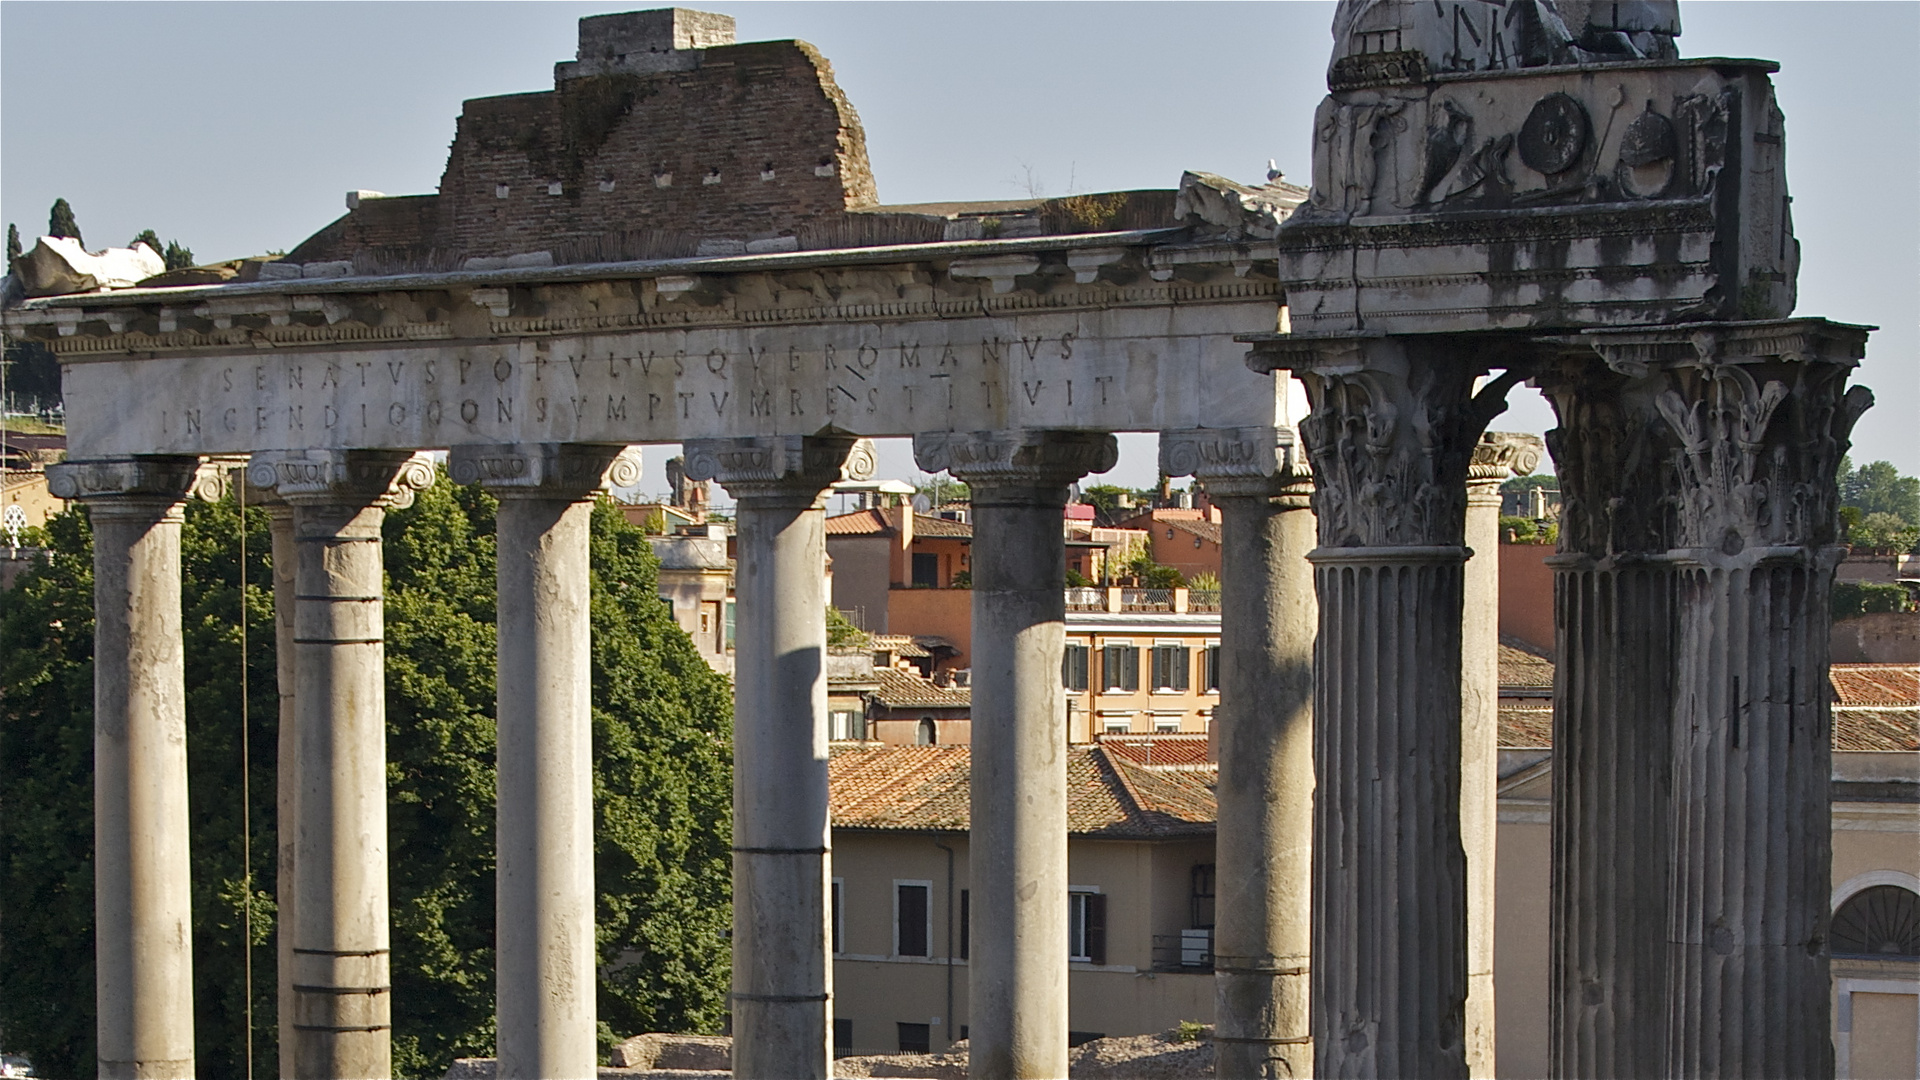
x,y
155,481
1495,456
1039,461
384,478
783,467
1255,462
545,470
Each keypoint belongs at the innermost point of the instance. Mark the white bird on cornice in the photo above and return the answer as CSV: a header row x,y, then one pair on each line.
x,y
1274,175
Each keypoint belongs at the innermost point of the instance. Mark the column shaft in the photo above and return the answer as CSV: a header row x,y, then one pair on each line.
x,y
782,969
545,793
1264,848
287,764
544,892
142,868
1389,971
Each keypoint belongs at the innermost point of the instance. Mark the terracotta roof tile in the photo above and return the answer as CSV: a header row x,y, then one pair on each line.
x,y
899,644
1523,666
1526,726
1875,684
905,690
1205,530
1876,729
941,528
1158,750
926,788
859,523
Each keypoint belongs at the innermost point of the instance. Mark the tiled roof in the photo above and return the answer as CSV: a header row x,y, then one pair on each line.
x,y
1875,684
941,528
905,690
1526,726
1876,729
859,523
1523,666
1158,750
926,788
1205,530
898,644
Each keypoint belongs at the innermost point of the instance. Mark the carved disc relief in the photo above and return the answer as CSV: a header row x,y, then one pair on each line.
x,y
1554,134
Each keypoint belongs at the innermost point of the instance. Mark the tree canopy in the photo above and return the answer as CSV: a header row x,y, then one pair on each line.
x,y
1879,508
60,222
662,791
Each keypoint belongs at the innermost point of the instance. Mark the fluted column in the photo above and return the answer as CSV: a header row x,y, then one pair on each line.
x,y
1018,840
1263,728
1612,724
782,970
544,907
1762,415
1496,454
143,924
1390,436
341,984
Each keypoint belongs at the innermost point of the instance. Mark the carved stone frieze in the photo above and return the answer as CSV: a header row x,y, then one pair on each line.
x,y
387,478
1392,431
1234,462
1015,459
545,470
770,467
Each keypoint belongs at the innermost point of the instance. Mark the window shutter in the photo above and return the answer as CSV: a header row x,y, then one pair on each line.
x,y
966,920
1182,666
1130,668
1097,927
1160,668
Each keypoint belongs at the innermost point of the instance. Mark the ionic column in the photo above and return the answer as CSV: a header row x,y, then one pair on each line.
x,y
340,984
1263,727
1612,724
143,922
1762,415
285,558
782,970
1494,456
1018,840
544,936
1390,436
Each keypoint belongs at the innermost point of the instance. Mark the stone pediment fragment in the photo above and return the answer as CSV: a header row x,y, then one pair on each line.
x,y
1217,205
58,265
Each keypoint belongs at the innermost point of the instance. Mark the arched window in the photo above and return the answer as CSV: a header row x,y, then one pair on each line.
x,y
928,735
1881,921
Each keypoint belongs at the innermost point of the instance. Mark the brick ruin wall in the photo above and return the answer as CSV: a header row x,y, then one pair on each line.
x,y
756,142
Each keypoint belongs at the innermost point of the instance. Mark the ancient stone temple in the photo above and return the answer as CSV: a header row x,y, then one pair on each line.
x,y
681,243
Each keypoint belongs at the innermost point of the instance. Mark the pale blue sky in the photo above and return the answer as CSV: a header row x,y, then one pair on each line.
x,y
237,127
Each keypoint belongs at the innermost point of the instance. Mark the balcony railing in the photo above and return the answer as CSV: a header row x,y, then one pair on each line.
x,y
1086,599
1118,599
1203,599
1191,951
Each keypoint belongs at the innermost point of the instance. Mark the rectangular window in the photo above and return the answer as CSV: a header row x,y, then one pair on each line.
x,y
836,916
1202,914
842,1036
1073,667
926,571
706,620
726,626
916,1038
1166,724
966,923
1120,669
912,928
1170,667
1212,668
1116,725
1087,927
846,724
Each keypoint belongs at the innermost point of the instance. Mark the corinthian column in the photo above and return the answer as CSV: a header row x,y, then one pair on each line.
x,y
341,984
1018,840
544,800
1762,415
1497,454
782,971
143,925
1263,930
1612,723
1390,436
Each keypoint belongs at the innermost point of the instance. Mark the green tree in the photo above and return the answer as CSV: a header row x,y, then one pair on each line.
x,y
662,791
149,238
177,255
1878,488
841,631
14,250
1881,531
60,221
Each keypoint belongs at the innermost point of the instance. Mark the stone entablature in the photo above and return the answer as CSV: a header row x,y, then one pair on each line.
x,y
1113,333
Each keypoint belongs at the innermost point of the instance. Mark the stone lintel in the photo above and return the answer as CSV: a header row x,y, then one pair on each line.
x,y
1238,462
1635,351
387,478
545,470
1023,458
773,466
